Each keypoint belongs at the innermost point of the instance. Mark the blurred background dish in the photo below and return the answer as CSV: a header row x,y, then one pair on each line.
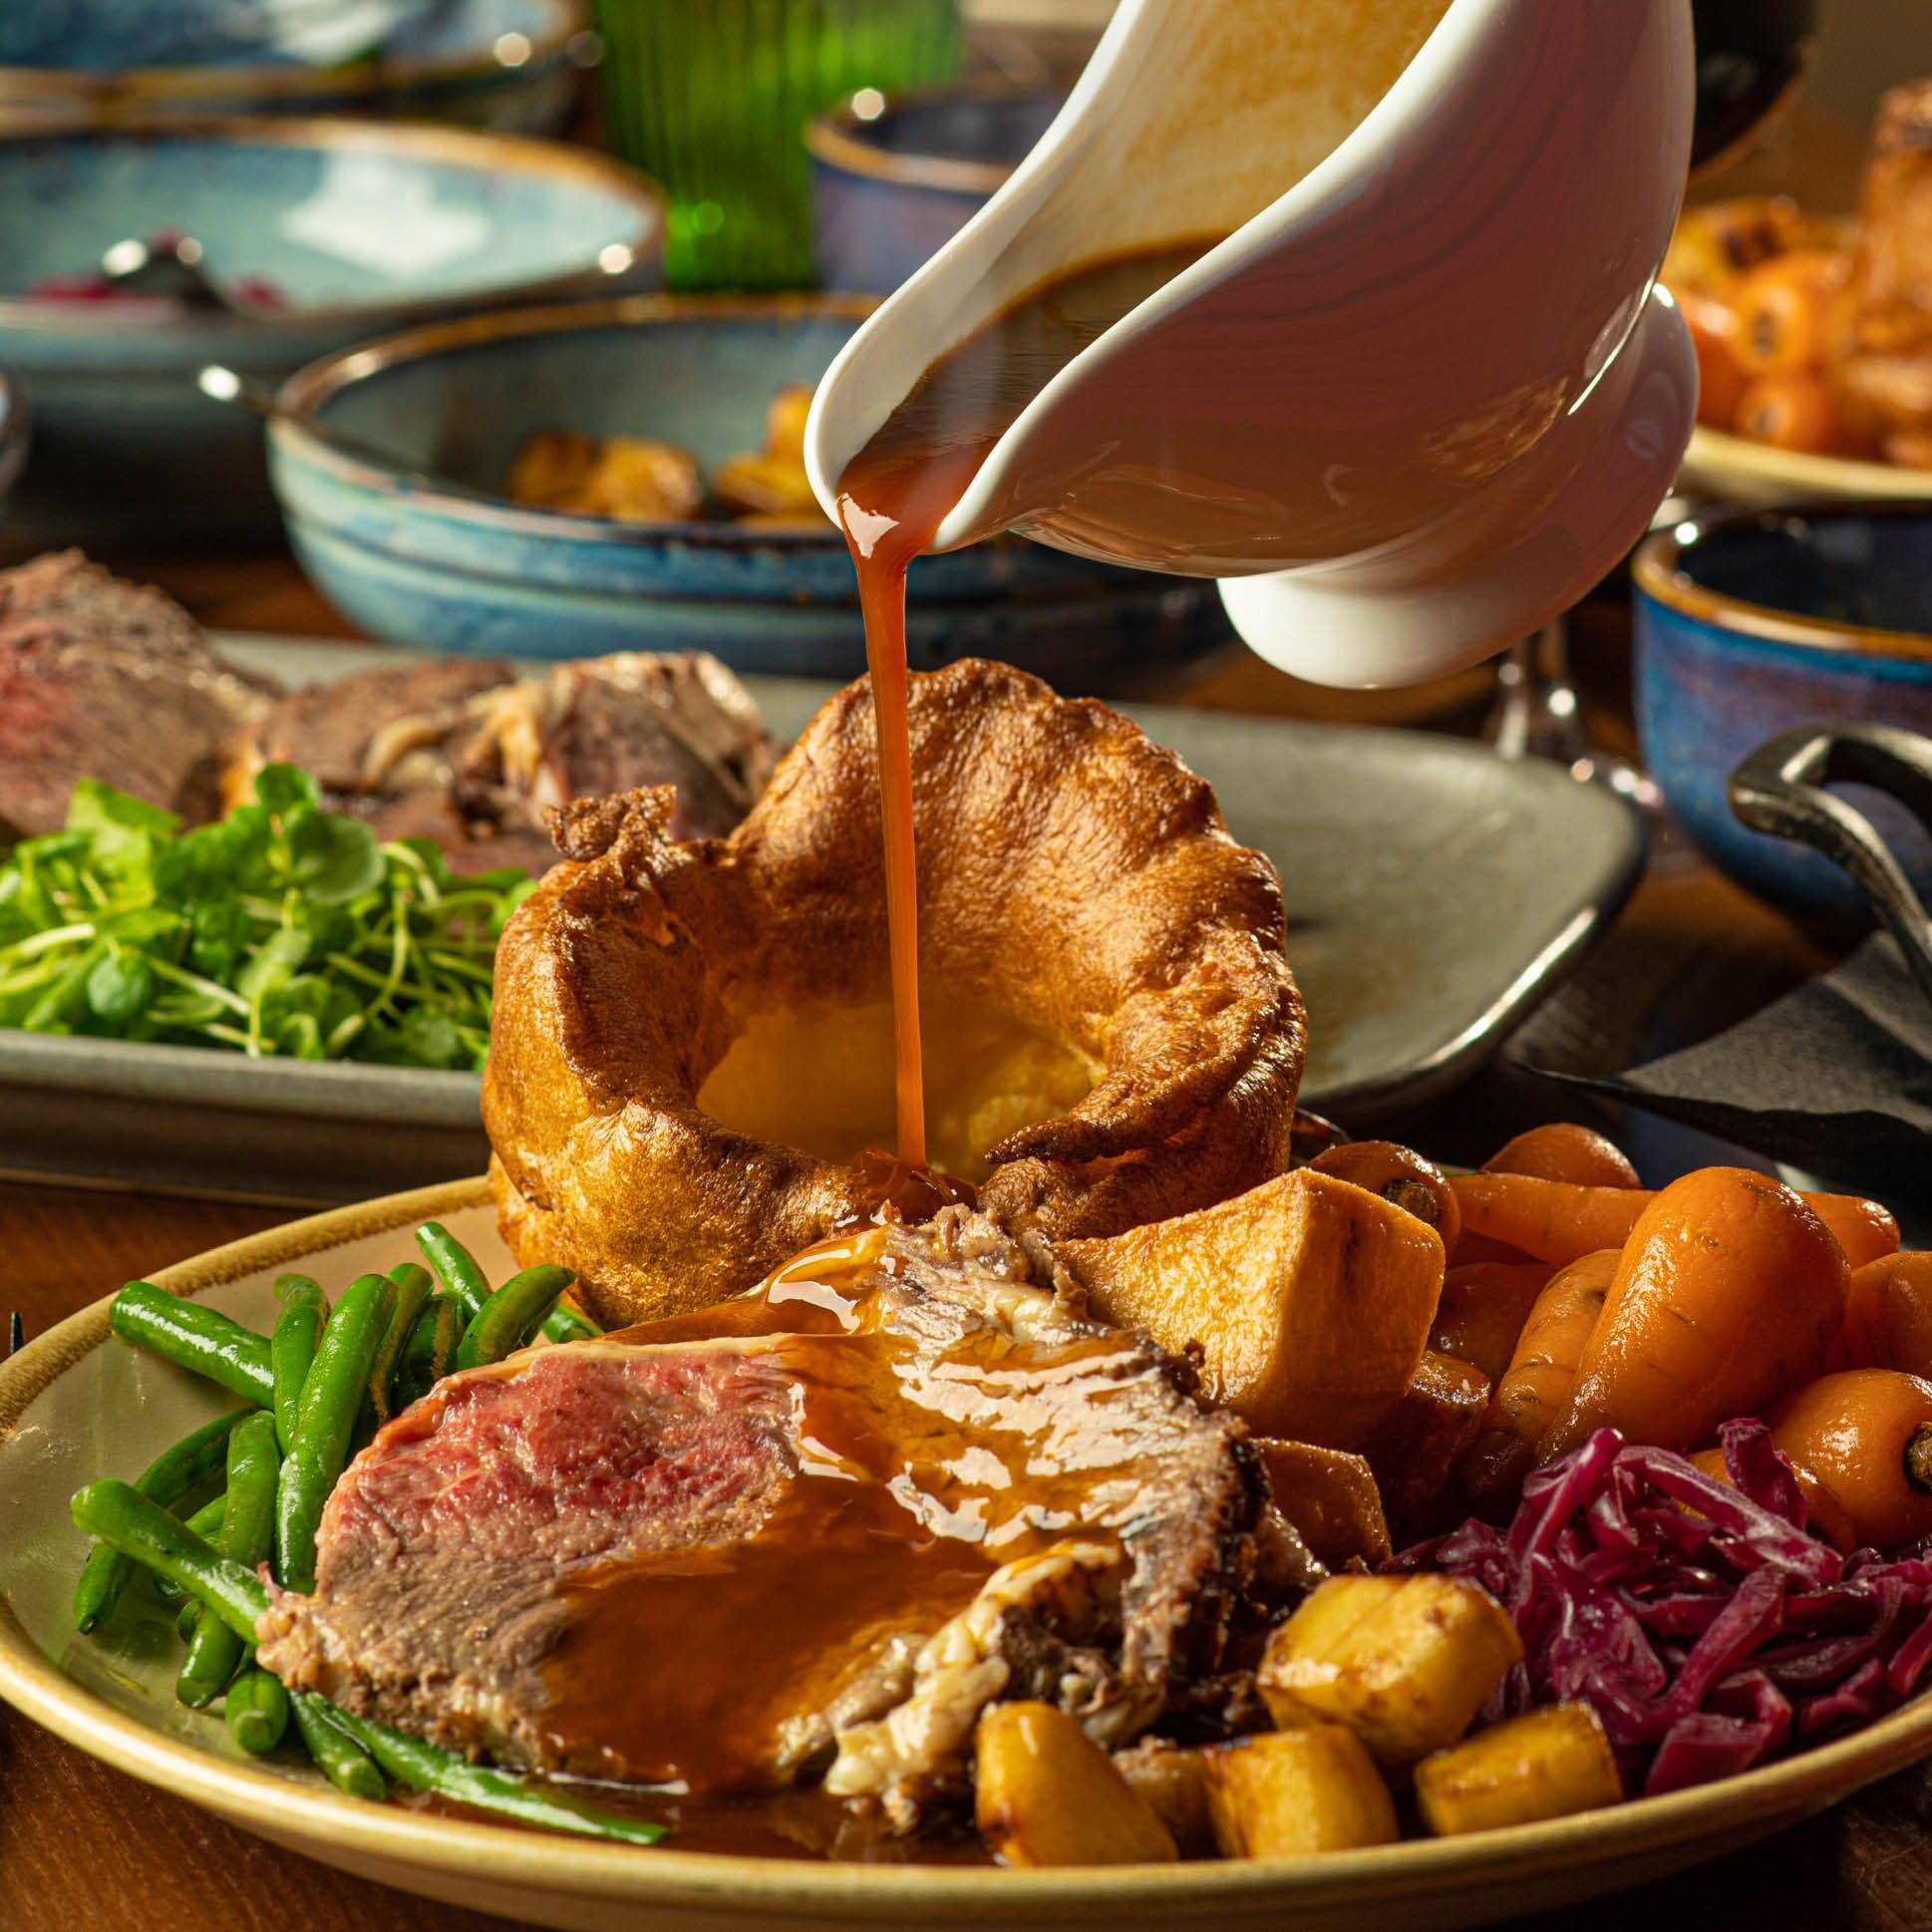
x,y
709,100
1734,469
113,33
1750,623
515,65
14,433
894,177
448,571
339,228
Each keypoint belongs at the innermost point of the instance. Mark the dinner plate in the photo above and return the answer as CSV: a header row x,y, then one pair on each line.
x,y
1437,895
1738,470
76,1405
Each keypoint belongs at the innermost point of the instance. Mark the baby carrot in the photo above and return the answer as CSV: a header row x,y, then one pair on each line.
x,y
1727,1292
1551,1220
1889,1316
1483,1309
1535,1386
1564,1151
1867,1232
1398,1174
1557,1220
1864,1437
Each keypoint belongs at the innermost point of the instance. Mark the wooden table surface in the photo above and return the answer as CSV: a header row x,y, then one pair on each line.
x,y
85,1849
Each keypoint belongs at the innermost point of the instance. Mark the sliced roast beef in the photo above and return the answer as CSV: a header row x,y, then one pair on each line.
x,y
802,1538
105,679
458,749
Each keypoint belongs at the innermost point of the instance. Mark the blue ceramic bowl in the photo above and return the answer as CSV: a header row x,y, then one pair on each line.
x,y
1751,622
359,226
511,65
893,180
423,566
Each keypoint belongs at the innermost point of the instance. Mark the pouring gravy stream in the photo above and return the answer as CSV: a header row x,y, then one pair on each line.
x,y
893,497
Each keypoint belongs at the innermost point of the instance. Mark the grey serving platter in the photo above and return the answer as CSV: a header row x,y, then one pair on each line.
x,y
1435,895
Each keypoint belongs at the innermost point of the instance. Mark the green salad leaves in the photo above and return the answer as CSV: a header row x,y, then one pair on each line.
x,y
280,929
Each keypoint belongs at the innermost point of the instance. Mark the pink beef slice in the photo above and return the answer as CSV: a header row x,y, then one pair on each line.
x,y
109,680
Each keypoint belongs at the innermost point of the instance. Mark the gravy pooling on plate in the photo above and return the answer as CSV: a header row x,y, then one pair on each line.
x,y
893,497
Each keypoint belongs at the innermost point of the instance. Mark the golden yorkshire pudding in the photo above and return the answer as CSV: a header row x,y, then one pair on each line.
x,y
691,1041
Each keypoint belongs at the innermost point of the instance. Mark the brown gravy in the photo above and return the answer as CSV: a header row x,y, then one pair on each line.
x,y
680,1668
893,497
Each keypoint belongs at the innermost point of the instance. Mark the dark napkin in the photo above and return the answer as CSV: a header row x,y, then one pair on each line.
x,y
1834,1079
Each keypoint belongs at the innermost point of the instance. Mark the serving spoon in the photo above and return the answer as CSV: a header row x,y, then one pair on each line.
x,y
221,384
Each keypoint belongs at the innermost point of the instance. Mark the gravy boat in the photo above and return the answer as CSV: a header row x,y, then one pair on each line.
x,y
1424,393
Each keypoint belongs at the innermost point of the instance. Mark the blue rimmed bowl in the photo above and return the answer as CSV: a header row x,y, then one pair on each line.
x,y
896,178
511,65
359,226
439,560
1750,623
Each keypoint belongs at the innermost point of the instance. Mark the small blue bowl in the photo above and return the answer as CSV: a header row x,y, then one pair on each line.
x,y
893,180
514,65
458,568
358,226
1751,622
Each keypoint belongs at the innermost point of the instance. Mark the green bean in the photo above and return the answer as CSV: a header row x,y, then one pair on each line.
x,y
257,1709
140,1528
566,1323
204,1523
247,1534
505,1321
175,1473
329,1402
200,1339
425,1769
443,1339
412,1287
292,1348
337,1755
190,1621
455,1267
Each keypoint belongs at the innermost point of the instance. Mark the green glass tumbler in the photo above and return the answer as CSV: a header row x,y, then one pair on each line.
x,y
709,98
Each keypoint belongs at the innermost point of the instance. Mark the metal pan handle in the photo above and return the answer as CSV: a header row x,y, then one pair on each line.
x,y
1779,789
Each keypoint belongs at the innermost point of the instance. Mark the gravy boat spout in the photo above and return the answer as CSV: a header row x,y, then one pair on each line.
x,y
1422,393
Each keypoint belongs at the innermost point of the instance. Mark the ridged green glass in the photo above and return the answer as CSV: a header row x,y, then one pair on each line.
x,y
709,98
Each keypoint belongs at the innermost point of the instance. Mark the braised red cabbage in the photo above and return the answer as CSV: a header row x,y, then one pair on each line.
x,y
1706,1627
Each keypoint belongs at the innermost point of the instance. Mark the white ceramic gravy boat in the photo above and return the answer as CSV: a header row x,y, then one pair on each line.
x,y
1426,391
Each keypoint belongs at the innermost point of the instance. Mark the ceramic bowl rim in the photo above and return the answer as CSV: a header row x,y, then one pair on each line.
x,y
314,386
36,1685
107,89
477,150
1657,572
836,139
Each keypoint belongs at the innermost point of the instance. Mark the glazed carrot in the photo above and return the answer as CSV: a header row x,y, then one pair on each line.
x,y
1398,1174
1889,1316
1864,1437
1483,1310
1549,1220
1560,1150
1564,1151
1727,1292
1556,1221
1867,1232
1535,1388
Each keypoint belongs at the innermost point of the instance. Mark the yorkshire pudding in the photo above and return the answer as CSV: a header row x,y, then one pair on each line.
x,y
1088,931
